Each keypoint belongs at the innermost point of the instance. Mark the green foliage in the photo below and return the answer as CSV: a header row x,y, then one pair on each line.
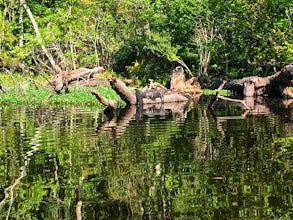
x,y
141,72
235,38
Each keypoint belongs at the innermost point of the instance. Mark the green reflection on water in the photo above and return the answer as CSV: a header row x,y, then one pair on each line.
x,y
58,163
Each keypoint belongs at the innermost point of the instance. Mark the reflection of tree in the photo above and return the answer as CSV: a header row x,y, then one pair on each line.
x,y
10,190
203,165
47,179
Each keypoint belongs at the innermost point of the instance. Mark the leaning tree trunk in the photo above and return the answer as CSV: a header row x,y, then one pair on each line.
x,y
38,35
276,85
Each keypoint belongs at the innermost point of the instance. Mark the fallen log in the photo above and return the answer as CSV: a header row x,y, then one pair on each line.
x,y
92,82
168,98
276,85
81,73
129,97
63,79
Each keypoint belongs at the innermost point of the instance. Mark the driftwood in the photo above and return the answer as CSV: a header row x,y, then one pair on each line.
x,y
169,102
129,97
174,103
63,79
276,85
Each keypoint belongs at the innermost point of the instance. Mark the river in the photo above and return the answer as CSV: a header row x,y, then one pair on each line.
x,y
182,162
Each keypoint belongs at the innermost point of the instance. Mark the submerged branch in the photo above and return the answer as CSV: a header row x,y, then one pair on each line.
x,y
234,100
217,96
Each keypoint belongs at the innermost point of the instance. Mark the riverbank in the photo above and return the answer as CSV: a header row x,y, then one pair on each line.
x,y
28,94
23,91
39,97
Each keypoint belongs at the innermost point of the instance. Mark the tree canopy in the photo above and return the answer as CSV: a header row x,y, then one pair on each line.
x,y
145,38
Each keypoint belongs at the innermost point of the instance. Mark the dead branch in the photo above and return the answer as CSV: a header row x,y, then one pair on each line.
x,y
17,85
169,98
78,210
234,100
215,97
36,29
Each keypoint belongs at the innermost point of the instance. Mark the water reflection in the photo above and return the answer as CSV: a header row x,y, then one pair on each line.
x,y
224,163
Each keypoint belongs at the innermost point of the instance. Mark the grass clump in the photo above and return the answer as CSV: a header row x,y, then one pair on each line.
x,y
20,90
222,92
78,96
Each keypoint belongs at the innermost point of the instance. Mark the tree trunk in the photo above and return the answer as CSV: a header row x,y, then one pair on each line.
x,y
38,35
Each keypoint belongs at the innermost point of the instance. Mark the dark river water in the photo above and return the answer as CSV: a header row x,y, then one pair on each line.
x,y
183,161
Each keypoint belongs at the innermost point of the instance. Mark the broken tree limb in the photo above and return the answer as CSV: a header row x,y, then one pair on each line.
x,y
92,82
169,98
234,100
215,97
155,85
249,88
129,96
81,73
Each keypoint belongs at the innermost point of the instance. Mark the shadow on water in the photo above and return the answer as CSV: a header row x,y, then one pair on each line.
x,y
182,161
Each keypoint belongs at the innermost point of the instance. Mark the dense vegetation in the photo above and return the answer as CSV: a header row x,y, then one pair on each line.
x,y
143,38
